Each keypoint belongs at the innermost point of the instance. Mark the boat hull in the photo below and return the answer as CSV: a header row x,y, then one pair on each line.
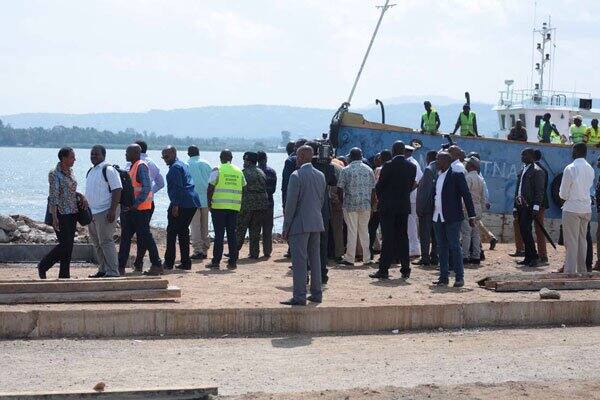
x,y
500,159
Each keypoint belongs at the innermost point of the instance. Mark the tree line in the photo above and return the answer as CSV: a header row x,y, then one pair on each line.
x,y
84,137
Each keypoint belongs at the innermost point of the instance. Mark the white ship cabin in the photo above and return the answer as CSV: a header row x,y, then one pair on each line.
x,y
530,106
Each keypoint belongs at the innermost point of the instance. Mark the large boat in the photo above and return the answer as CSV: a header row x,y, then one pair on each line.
x,y
500,158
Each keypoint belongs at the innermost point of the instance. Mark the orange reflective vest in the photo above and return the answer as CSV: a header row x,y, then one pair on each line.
x,y
137,187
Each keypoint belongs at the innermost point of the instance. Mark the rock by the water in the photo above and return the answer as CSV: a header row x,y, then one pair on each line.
x,y
546,294
7,223
4,237
24,229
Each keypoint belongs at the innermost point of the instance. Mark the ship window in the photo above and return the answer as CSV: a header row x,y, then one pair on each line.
x,y
522,118
502,122
512,120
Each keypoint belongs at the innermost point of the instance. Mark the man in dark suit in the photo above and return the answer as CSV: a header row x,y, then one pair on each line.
x,y
450,192
289,166
425,212
529,199
396,181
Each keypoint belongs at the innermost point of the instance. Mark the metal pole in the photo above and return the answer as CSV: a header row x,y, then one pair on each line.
x,y
383,10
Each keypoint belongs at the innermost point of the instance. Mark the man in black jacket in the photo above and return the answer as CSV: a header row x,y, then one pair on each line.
x,y
539,235
529,199
425,212
393,189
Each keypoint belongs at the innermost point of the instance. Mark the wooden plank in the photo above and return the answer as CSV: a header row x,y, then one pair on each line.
x,y
172,292
553,284
82,286
159,394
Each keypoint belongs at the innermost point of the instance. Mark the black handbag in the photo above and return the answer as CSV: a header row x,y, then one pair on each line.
x,y
48,216
84,215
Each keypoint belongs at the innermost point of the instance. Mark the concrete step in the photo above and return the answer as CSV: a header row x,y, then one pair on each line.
x,y
84,285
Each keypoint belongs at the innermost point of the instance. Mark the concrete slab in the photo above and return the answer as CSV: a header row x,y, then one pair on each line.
x,y
306,320
81,285
27,253
156,394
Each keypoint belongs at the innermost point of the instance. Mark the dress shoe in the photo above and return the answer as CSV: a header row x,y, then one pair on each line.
x,y
380,275
405,274
184,267
440,283
533,264
41,272
482,255
155,270
459,283
493,242
198,256
253,257
293,302
517,254
122,271
474,261
226,255
111,276
136,268
422,262
466,261
313,299
231,266
597,266
523,262
347,263
166,266
287,255
324,280
544,261
212,265
97,275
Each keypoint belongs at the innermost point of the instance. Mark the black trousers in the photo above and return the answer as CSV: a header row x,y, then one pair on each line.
x,y
67,223
324,250
373,226
427,239
394,227
525,226
224,220
267,231
141,250
179,228
136,222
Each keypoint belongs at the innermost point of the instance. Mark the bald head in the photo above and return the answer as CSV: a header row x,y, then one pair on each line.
x,y
132,153
304,155
169,155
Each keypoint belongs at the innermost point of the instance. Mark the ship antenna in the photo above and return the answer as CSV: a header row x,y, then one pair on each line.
x,y
546,32
384,8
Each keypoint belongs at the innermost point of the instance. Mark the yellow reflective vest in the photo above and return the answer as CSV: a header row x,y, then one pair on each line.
x,y
429,121
228,190
593,136
466,124
577,133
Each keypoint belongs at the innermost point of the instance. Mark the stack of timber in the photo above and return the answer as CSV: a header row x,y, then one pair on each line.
x,y
86,290
535,282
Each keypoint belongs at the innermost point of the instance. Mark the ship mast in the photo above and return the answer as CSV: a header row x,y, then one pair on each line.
x,y
546,33
384,8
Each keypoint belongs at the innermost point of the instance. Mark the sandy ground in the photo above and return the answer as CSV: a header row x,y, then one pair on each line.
x,y
303,363
263,283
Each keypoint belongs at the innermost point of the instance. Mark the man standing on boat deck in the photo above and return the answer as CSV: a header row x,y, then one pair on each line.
x,y
414,245
547,132
430,120
577,130
467,122
518,132
529,198
592,134
577,181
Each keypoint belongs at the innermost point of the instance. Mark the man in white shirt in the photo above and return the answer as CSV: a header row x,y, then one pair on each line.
x,y
103,193
414,244
575,190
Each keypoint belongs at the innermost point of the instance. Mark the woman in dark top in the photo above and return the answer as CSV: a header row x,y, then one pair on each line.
x,y
64,202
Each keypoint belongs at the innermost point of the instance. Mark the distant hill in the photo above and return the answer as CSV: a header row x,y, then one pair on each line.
x,y
252,121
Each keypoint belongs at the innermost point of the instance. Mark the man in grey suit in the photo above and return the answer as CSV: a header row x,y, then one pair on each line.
x,y
425,212
302,226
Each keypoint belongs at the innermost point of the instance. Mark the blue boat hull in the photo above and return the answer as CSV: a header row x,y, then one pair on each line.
x,y
501,159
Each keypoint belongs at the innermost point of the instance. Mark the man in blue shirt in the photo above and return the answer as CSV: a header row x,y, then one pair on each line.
x,y
267,224
184,202
200,171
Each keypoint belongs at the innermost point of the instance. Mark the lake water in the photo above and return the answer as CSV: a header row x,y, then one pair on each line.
x,y
24,177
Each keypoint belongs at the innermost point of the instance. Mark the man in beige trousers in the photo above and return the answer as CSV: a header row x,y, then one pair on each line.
x,y
200,171
575,189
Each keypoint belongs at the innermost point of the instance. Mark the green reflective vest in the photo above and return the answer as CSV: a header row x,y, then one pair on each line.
x,y
228,190
429,121
466,124
554,137
577,133
593,136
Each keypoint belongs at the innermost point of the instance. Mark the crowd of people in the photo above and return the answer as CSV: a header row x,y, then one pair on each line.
x,y
346,209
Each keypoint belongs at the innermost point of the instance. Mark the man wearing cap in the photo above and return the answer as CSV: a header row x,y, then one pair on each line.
x,y
467,122
486,235
577,130
518,132
255,203
471,240
414,245
430,120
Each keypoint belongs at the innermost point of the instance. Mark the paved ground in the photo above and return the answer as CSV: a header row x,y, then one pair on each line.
x,y
265,282
303,363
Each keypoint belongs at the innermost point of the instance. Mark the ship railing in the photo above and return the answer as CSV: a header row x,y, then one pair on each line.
x,y
541,98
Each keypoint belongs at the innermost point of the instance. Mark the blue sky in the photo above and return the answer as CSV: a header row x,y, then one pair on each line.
x,y
130,55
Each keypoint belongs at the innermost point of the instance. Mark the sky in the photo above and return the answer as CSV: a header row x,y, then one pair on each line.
x,y
76,56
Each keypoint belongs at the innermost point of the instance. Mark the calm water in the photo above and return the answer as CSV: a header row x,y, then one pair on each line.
x,y
24,177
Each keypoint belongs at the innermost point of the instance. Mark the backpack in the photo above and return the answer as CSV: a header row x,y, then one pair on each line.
x,y
127,191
